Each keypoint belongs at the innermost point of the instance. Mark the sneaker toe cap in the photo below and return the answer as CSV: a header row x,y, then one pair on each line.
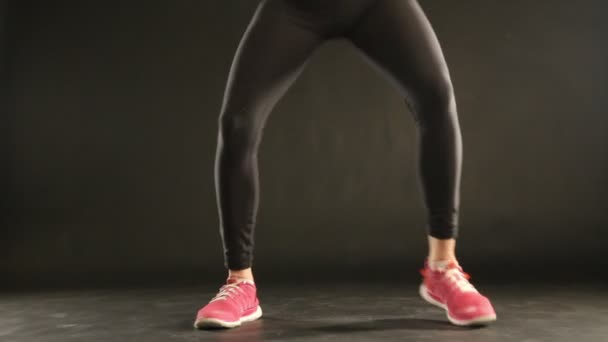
x,y
224,313
471,305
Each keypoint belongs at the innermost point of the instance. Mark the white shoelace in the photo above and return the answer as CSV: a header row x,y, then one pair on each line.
x,y
457,278
227,291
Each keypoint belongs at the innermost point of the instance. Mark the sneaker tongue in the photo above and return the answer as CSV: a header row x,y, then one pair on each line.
x,y
238,280
232,280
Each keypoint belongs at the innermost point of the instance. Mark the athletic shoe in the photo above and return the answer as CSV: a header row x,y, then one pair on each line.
x,y
449,289
235,303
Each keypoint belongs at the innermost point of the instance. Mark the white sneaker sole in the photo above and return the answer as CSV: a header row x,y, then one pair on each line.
x,y
483,320
205,323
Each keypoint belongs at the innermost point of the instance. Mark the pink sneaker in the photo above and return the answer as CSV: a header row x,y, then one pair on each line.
x,y
235,303
449,289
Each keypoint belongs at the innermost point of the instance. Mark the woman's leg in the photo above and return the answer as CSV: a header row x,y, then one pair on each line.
x,y
272,53
398,39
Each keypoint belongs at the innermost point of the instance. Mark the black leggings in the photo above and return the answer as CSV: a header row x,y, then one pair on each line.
x,y
395,37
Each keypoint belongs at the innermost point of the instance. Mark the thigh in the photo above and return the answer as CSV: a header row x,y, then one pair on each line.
x,y
396,37
271,54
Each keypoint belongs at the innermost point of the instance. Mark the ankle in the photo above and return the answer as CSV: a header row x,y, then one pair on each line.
x,y
245,274
441,258
441,263
441,249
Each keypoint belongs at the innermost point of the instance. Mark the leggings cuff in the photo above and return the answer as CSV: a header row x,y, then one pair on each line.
x,y
443,232
239,262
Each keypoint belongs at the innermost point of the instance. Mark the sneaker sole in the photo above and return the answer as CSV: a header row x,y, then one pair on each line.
x,y
483,320
214,323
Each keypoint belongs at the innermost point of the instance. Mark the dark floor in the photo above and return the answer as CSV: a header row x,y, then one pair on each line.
x,y
391,312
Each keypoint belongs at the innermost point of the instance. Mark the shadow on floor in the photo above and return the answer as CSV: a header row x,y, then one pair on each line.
x,y
269,328
389,324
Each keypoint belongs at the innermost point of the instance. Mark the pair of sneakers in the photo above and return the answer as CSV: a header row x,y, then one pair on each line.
x,y
446,286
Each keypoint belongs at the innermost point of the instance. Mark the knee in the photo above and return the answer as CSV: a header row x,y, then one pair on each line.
x,y
237,128
434,103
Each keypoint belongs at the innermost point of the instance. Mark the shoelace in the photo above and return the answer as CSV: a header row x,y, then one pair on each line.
x,y
460,279
457,276
227,291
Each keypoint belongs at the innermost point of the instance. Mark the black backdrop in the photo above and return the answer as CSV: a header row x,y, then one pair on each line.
x,y
109,131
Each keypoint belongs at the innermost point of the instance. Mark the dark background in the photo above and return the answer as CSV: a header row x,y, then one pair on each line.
x,y
109,127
